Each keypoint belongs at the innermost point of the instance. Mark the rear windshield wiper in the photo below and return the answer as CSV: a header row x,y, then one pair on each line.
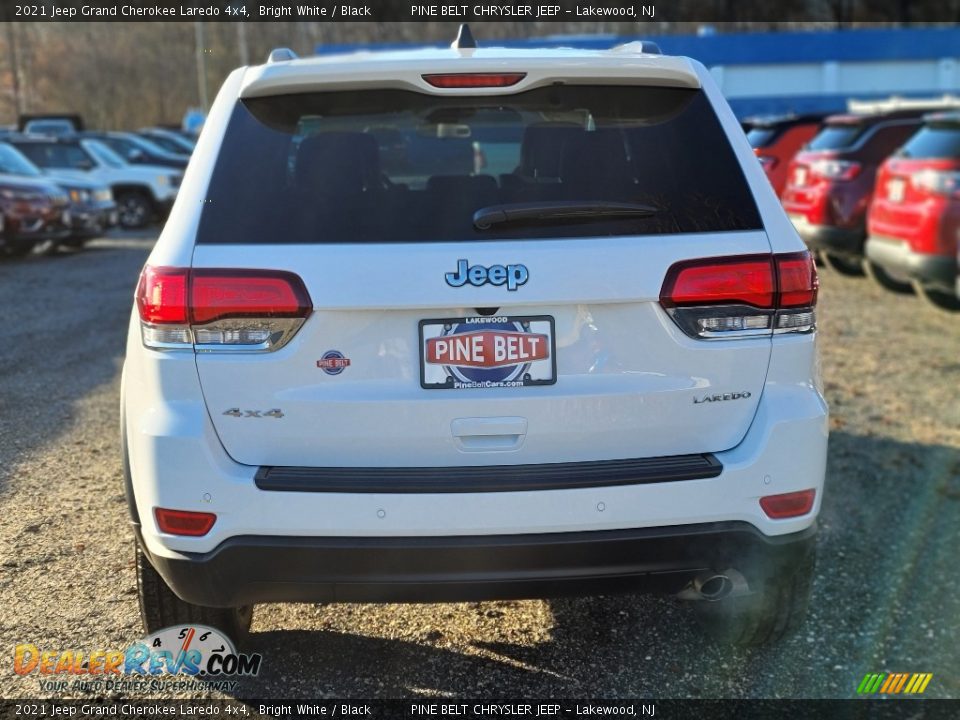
x,y
551,211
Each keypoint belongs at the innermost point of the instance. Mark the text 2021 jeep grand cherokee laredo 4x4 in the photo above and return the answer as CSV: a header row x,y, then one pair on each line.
x,y
352,376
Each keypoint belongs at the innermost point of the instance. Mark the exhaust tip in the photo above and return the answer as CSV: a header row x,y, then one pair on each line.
x,y
713,586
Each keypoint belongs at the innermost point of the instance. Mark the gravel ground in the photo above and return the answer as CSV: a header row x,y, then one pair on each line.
x,y
886,598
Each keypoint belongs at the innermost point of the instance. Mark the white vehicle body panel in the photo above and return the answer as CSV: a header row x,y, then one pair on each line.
x,y
628,376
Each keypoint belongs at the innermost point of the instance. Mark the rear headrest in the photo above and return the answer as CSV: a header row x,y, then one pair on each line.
x,y
462,183
338,162
597,159
543,147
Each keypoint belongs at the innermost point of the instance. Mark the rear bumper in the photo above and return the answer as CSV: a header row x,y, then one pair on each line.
x,y
92,219
829,238
899,258
251,569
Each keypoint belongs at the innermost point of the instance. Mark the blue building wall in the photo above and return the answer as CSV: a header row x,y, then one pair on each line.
x,y
869,56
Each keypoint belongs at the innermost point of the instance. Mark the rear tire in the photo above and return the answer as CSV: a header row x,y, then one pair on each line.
x,y
885,280
75,243
851,267
16,251
939,299
776,609
161,608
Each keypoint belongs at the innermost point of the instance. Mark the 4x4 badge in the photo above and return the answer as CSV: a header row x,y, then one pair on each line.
x,y
237,412
513,275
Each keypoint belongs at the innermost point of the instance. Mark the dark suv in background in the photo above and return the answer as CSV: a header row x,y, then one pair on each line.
x,y
139,150
775,140
91,206
830,184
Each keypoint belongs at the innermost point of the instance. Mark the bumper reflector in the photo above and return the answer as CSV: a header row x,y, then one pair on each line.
x,y
184,522
788,505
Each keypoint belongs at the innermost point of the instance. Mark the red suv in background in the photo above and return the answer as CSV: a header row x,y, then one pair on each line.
x,y
777,138
914,219
830,183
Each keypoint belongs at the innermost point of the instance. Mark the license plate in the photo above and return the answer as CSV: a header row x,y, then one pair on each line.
x,y
487,352
895,190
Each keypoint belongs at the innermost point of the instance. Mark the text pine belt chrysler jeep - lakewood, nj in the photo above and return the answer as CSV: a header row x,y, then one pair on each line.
x,y
365,369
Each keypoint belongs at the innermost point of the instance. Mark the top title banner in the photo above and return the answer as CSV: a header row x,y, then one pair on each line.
x,y
926,11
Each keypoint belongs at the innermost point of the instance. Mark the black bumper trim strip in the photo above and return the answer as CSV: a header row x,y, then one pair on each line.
x,y
489,478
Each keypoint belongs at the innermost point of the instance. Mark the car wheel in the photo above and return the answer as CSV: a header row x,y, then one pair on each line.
x,y
16,251
75,243
851,267
161,608
771,612
135,210
940,299
885,280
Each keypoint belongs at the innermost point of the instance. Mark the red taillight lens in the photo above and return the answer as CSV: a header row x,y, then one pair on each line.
x,y
474,80
743,281
797,280
788,505
938,182
184,522
162,295
218,294
835,169
742,296
215,309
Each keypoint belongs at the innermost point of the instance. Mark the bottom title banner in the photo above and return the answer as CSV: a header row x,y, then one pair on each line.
x,y
468,709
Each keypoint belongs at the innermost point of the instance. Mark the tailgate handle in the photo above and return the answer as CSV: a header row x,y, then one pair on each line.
x,y
490,433
469,427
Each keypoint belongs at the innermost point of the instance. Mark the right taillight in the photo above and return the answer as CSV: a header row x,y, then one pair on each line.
x,y
218,309
742,296
937,182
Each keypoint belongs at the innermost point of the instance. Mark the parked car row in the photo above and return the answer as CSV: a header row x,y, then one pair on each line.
x,y
874,192
67,186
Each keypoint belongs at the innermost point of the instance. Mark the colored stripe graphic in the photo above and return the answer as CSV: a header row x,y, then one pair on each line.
x,y
894,683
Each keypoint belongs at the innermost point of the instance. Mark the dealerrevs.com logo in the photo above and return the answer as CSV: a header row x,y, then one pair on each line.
x,y
183,657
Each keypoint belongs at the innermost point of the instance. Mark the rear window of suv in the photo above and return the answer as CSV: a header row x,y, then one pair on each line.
x,y
933,141
762,136
400,166
836,137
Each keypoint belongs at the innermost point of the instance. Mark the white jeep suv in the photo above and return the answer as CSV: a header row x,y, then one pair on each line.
x,y
466,324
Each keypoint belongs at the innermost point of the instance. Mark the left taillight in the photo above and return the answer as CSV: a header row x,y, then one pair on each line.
x,y
220,309
830,169
742,296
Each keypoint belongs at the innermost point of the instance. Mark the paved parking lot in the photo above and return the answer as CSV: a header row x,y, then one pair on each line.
x,y
886,598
